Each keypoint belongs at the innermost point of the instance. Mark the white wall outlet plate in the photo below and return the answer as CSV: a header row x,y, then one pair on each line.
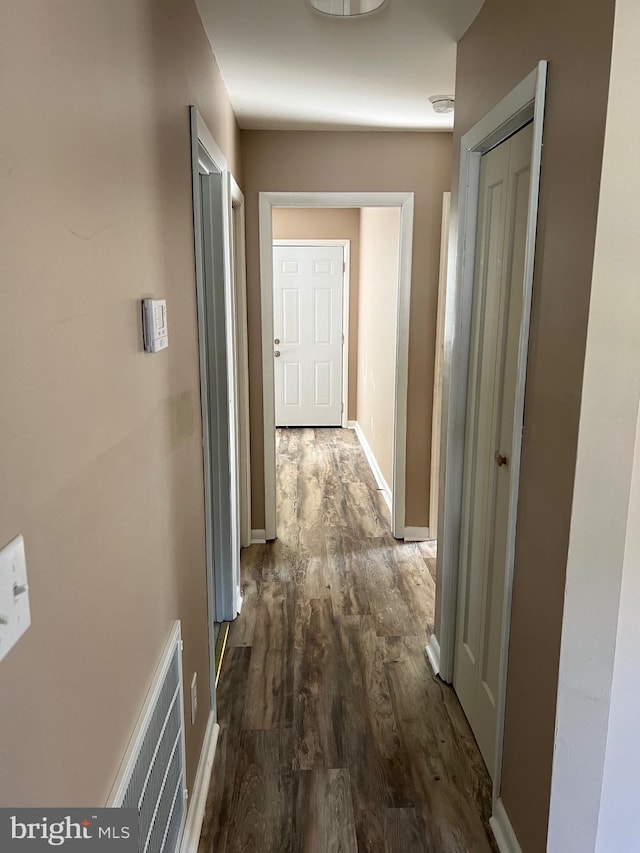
x,y
15,615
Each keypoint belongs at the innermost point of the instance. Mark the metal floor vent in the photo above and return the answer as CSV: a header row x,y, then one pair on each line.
x,y
152,776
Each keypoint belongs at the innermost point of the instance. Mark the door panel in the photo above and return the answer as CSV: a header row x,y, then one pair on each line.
x,y
308,282
496,318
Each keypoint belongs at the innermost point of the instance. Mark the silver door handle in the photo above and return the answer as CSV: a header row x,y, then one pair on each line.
x,y
277,353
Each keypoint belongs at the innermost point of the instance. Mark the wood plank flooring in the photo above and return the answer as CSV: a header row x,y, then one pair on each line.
x,y
335,736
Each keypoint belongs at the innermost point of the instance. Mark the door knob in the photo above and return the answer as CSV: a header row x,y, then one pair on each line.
x,y
277,353
501,460
277,341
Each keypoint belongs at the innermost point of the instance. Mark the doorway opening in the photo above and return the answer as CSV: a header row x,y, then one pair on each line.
x,y
218,210
270,204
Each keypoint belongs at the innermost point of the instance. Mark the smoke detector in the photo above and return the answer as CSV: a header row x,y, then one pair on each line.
x,y
443,103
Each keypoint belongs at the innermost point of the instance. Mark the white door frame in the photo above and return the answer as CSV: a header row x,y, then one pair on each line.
x,y
242,366
524,104
216,378
403,200
346,248
436,417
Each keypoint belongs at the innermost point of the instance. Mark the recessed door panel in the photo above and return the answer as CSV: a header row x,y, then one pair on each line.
x,y
290,323
322,383
292,384
322,316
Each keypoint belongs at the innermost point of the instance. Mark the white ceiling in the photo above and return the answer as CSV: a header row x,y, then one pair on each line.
x,y
289,67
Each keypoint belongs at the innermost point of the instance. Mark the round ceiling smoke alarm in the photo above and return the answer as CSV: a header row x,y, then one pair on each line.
x,y
443,103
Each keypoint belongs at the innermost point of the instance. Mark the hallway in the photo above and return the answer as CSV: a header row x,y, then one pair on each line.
x,y
335,736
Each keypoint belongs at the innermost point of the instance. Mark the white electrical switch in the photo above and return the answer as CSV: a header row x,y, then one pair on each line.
x,y
15,616
154,324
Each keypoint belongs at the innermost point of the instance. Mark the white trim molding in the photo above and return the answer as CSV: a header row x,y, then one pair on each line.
x,y
373,464
418,534
242,357
502,830
258,537
403,200
521,106
433,654
198,798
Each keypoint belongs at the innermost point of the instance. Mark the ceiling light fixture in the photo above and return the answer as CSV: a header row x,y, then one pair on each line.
x,y
442,103
347,8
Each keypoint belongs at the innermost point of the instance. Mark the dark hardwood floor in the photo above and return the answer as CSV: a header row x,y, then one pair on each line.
x,y
335,736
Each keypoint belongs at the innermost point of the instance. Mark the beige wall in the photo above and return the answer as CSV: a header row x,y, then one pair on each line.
x,y
379,256
500,49
594,804
100,444
343,162
292,223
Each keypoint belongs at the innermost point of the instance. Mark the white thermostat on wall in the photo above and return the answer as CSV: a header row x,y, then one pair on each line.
x,y
154,324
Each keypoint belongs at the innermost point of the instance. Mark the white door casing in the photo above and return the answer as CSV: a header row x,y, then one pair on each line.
x,y
492,378
214,286
308,335
242,359
266,202
436,418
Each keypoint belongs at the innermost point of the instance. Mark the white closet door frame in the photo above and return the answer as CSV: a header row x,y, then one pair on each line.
x,y
242,343
212,239
524,104
346,249
403,200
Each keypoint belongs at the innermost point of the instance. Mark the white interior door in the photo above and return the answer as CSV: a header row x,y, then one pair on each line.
x,y
495,331
308,334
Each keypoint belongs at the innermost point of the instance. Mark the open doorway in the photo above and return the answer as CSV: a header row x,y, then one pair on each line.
x,y
336,281
398,206
218,209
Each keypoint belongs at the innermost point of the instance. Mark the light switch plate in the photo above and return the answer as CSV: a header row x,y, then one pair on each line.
x,y
15,614
154,324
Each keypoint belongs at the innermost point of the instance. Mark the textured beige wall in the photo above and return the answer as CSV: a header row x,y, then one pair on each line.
x,y
379,256
100,444
342,162
500,49
293,223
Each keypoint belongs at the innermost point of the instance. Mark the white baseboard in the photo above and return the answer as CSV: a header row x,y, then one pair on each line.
x,y
352,424
373,464
258,537
502,830
433,654
198,798
417,534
